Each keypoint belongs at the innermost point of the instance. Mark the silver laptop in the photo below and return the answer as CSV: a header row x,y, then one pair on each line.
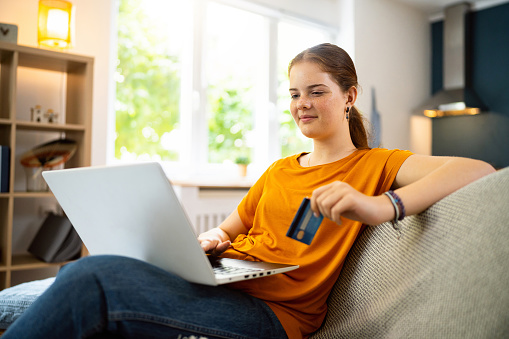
x,y
132,210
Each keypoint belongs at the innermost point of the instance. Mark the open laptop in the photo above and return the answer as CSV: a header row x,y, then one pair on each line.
x,y
132,210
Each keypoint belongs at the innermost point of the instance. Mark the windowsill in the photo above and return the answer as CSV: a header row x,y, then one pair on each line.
x,y
215,183
221,177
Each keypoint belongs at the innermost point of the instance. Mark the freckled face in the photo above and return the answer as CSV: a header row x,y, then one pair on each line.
x,y
318,104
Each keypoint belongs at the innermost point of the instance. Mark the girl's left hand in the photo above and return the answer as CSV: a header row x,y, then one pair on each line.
x,y
339,199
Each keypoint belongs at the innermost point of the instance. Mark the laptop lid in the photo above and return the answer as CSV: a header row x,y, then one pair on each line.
x,y
132,210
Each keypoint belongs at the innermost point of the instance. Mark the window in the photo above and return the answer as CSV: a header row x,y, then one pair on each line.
x,y
202,83
234,55
148,80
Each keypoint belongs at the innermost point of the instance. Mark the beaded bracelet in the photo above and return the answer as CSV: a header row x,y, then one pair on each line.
x,y
399,208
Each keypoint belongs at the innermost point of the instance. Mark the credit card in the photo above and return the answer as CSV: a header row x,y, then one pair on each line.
x,y
304,224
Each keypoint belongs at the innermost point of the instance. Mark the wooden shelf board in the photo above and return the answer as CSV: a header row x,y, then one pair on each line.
x,y
37,126
33,195
45,59
28,261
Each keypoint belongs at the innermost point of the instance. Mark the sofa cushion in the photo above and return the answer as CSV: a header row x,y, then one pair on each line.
x,y
447,275
15,300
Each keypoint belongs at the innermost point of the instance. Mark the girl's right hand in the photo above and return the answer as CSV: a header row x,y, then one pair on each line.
x,y
214,241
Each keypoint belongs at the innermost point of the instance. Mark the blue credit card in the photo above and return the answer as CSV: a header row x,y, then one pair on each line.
x,y
304,224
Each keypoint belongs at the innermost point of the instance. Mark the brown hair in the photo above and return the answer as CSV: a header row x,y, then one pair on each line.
x,y
335,61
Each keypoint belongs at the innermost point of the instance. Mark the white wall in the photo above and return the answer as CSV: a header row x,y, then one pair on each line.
x,y
93,38
392,54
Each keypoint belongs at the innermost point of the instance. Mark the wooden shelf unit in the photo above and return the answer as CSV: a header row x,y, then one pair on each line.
x,y
78,71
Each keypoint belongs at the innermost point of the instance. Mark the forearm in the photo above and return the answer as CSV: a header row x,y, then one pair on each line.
x,y
437,177
232,226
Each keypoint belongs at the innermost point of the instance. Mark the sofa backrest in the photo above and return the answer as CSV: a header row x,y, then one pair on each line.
x,y
447,276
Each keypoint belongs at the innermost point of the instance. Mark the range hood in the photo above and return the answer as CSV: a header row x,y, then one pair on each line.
x,y
457,96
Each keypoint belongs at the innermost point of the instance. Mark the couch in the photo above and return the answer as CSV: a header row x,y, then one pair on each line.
x,y
443,273
445,276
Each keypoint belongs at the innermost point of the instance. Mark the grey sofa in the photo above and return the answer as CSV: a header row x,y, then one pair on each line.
x,y
445,274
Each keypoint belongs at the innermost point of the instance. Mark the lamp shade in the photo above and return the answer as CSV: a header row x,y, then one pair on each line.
x,y
55,23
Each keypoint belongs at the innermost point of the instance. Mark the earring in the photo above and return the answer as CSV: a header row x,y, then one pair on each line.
x,y
347,110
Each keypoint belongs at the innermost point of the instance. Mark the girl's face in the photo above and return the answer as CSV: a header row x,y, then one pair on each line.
x,y
318,104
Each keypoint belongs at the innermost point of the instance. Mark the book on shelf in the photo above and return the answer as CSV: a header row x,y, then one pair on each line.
x,y
56,240
4,168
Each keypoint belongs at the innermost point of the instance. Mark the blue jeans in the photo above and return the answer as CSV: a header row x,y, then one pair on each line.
x,y
118,297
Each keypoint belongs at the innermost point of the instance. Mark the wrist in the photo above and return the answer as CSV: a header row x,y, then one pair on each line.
x,y
223,235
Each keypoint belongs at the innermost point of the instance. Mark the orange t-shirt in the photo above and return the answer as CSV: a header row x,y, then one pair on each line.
x,y
298,298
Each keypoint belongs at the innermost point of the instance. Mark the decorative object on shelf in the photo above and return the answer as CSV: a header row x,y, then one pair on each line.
x,y
4,168
49,116
242,163
56,240
9,33
45,157
36,113
34,179
55,24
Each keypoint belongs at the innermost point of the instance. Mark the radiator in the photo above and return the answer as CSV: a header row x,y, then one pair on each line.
x,y
206,221
208,207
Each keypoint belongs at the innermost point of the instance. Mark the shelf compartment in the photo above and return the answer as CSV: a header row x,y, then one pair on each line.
x,y
21,275
5,233
8,60
5,133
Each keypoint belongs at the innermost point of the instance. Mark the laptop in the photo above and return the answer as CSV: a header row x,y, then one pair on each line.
x,y
132,210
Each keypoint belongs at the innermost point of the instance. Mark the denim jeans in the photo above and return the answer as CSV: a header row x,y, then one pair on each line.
x,y
118,297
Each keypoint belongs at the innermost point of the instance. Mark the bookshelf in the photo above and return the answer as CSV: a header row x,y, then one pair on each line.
x,y
20,211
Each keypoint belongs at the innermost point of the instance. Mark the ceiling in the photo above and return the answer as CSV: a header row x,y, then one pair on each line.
x,y
437,6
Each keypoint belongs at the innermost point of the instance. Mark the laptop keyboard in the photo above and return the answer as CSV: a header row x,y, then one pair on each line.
x,y
225,270
222,269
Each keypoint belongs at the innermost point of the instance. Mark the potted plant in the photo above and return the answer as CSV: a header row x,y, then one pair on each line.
x,y
242,162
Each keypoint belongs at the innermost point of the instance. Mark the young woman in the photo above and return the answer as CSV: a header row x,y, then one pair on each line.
x,y
349,184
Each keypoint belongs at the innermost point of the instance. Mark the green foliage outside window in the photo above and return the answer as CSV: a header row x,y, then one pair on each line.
x,y
147,88
229,125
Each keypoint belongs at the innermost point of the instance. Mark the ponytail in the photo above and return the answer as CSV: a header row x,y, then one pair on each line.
x,y
358,132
